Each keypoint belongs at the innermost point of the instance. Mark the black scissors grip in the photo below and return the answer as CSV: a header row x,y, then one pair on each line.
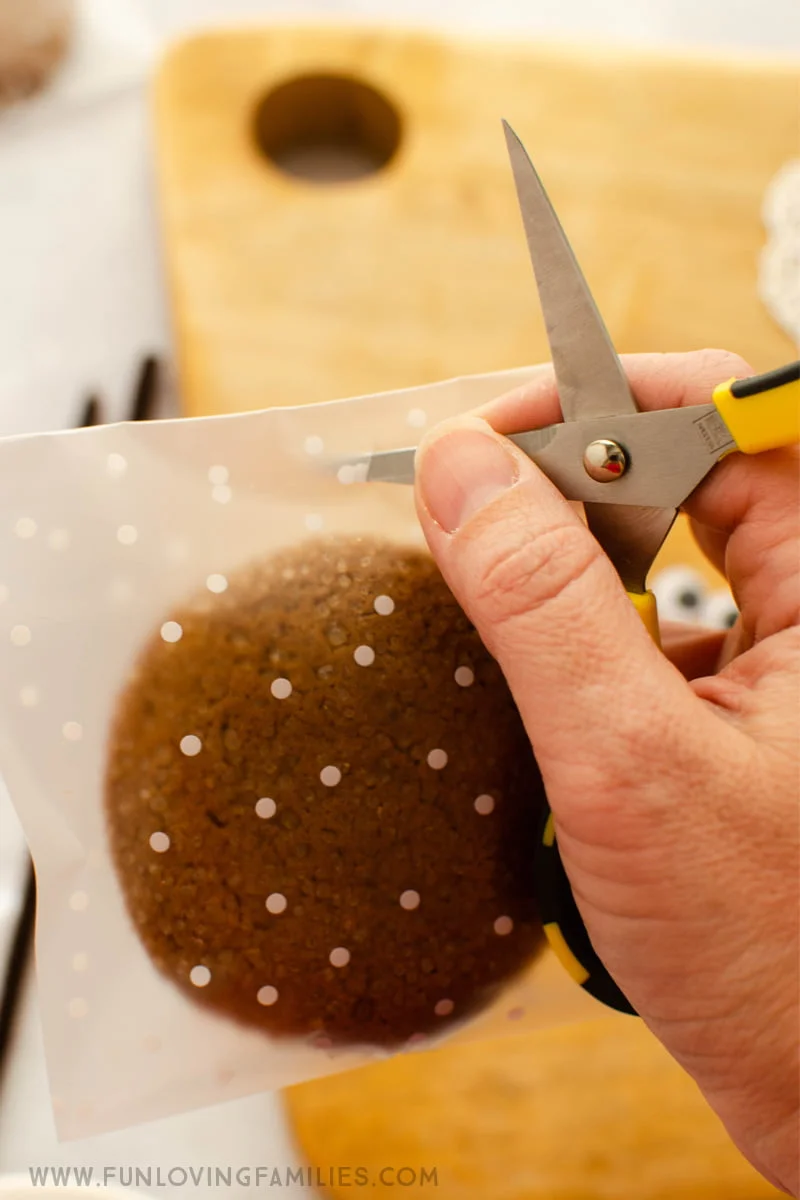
x,y
754,385
564,925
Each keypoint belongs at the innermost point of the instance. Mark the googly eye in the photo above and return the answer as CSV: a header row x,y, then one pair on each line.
x,y
681,594
720,612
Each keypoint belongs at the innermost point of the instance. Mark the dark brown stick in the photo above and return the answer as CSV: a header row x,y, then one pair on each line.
x,y
141,409
17,963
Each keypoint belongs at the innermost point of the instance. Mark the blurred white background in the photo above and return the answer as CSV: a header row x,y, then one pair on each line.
x,y
81,299
772,25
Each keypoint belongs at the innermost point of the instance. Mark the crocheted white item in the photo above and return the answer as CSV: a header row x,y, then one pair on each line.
x,y
779,267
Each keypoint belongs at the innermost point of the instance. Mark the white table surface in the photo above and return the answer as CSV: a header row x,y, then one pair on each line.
x,y
82,298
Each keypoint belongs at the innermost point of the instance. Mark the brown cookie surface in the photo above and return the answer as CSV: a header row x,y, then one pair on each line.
x,y
321,801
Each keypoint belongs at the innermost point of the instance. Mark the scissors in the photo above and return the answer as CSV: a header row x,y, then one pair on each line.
x,y
632,470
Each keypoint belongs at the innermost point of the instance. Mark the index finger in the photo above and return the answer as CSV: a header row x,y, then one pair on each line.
x,y
657,381
745,512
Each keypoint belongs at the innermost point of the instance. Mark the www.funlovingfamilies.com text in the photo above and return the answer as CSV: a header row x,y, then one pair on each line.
x,y
260,1178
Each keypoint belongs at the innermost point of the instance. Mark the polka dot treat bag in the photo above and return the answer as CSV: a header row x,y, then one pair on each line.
x,y
280,803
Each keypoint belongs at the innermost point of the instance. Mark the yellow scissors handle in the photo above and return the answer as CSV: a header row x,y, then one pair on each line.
x,y
645,605
763,412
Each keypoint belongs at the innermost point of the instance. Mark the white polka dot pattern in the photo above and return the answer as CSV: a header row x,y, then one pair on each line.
x,y
25,528
437,760
136,549
116,465
127,535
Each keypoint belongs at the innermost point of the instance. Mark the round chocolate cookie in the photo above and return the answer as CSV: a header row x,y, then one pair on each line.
x,y
321,800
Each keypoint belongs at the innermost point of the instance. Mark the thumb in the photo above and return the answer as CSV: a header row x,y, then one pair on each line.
x,y
591,686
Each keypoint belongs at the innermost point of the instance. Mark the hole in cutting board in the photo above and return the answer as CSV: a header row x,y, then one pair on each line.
x,y
327,128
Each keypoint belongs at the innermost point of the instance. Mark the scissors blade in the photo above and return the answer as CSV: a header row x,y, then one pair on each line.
x,y
589,374
631,537
394,466
669,453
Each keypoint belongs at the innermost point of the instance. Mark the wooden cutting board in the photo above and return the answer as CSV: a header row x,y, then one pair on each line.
x,y
591,1112
286,291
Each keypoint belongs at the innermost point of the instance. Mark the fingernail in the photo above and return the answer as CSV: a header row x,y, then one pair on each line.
x,y
460,472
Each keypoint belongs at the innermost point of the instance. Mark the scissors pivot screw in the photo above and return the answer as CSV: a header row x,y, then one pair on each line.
x,y
605,460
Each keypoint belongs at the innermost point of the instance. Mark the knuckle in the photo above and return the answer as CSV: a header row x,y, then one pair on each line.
x,y
718,365
517,578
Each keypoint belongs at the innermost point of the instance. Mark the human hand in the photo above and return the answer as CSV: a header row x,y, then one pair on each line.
x,y
675,799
